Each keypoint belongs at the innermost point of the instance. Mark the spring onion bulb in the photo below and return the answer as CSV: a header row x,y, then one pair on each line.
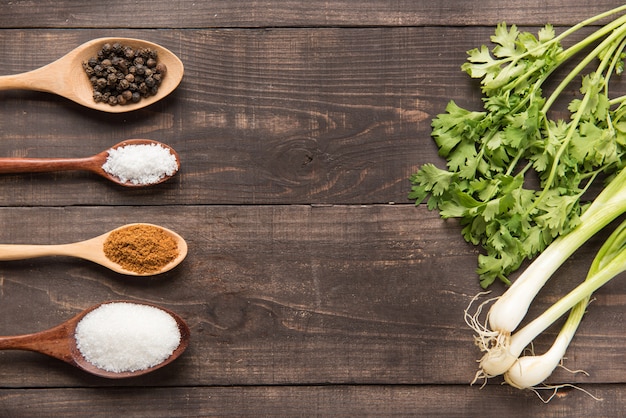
x,y
499,359
530,371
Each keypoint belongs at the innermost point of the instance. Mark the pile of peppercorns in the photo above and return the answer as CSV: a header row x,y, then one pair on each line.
x,y
121,74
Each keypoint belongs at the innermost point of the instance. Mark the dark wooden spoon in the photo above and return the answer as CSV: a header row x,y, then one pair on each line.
x,y
94,163
60,342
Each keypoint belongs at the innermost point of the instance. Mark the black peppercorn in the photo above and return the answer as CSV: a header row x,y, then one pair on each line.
x,y
161,68
111,79
123,85
89,70
129,53
121,74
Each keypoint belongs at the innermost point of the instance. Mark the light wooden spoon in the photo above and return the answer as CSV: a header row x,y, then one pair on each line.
x,y
16,165
66,76
60,342
91,250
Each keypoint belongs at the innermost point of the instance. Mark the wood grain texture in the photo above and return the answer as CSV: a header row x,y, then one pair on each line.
x,y
283,116
292,13
288,295
313,286
304,401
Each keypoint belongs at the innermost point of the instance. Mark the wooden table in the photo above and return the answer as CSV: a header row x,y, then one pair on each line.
x,y
313,286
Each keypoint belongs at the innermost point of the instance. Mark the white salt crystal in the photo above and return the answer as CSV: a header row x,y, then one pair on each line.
x,y
140,163
126,337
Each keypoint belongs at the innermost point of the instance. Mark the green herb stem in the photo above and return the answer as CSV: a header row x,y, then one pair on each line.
x,y
582,64
609,43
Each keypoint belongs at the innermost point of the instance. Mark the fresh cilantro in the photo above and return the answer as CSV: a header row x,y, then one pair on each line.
x,y
514,175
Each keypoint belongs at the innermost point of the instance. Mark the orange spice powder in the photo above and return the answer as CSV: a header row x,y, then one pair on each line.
x,y
141,248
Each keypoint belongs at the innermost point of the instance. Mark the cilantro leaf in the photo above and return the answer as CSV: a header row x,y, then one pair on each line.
x,y
514,176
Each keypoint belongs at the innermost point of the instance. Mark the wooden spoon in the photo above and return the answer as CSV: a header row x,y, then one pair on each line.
x,y
91,250
14,165
60,342
66,76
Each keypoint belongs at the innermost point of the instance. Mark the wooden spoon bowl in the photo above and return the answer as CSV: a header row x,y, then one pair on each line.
x,y
67,78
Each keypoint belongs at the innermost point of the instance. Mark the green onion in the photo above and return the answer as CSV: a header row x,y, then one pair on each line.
x,y
491,155
530,371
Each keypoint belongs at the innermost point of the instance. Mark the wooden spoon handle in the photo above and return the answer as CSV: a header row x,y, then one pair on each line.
x,y
25,251
41,79
53,342
42,165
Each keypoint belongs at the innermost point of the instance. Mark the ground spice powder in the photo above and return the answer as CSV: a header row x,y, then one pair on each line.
x,y
141,248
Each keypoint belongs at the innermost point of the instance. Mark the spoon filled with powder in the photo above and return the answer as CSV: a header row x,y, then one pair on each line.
x,y
137,249
115,339
131,163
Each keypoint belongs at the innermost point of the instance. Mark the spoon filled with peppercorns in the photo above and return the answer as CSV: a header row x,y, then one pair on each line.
x,y
130,163
109,74
136,249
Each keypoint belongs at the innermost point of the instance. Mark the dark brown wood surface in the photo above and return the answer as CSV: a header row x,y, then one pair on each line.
x,y
313,286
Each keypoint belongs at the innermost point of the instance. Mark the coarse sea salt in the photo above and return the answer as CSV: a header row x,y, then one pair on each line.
x,y
126,337
140,163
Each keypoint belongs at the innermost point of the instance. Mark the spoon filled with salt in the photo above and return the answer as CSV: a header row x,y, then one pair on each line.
x,y
116,339
130,163
67,76
136,249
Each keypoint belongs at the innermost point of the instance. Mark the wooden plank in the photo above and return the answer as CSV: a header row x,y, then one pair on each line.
x,y
297,126
267,293
288,295
223,13
308,401
262,116
306,292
